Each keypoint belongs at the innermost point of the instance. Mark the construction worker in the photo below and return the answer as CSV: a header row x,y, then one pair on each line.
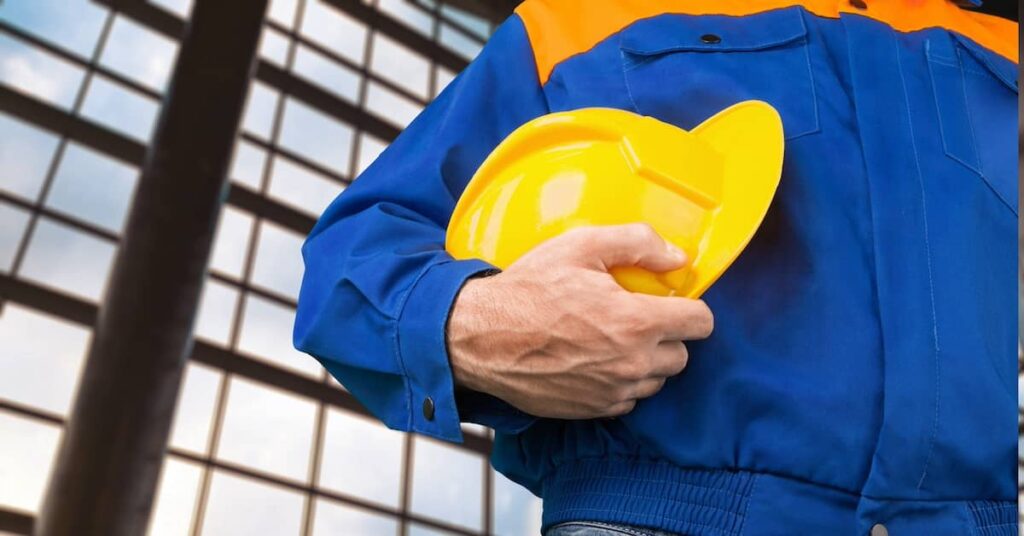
x,y
858,374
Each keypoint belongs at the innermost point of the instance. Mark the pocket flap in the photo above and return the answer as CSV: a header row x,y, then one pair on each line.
x,y
677,33
1003,69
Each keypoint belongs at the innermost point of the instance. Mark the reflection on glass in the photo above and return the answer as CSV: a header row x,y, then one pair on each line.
x,y
25,155
475,24
370,148
26,458
274,46
231,244
278,265
334,30
239,506
267,429
247,166
327,73
460,43
74,25
93,187
305,190
194,415
119,108
390,106
409,14
13,221
41,358
38,72
267,334
442,78
216,312
259,110
423,530
447,483
139,53
361,457
282,12
320,138
400,65
69,260
516,511
175,498
333,519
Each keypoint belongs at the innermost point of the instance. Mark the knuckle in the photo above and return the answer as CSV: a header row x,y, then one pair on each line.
x,y
704,319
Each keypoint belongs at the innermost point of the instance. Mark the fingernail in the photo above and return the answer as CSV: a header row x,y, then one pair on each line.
x,y
676,253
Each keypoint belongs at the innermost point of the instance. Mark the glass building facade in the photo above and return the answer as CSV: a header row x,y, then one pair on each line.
x,y
263,442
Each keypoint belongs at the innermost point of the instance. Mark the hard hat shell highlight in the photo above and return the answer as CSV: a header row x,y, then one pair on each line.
x,y
705,190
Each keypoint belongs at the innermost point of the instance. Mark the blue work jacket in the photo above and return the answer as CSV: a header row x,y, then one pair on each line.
x,y
862,369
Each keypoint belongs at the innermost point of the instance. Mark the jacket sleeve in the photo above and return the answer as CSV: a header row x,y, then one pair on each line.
x,y
378,284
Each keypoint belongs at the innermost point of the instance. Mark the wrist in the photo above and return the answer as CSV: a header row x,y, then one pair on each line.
x,y
466,334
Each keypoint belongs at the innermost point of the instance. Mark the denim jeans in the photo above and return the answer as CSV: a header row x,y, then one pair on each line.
x,y
594,528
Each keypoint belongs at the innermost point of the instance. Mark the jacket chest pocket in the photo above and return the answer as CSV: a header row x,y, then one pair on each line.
x,y
975,94
682,68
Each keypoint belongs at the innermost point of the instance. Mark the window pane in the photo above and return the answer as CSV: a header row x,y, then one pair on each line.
x,y
247,167
447,483
335,30
327,73
278,265
320,138
460,43
475,24
369,149
240,506
13,222
408,14
274,46
39,73
139,53
400,65
390,106
423,530
69,260
282,12
333,519
175,498
74,25
119,108
259,110
267,429
194,414
26,458
93,187
25,156
443,78
516,510
232,242
41,358
361,457
267,334
305,190
216,312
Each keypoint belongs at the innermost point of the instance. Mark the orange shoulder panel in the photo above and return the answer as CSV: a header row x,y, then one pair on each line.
x,y
560,29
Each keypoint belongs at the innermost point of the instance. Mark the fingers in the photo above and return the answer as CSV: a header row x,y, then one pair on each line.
x,y
634,244
668,359
680,319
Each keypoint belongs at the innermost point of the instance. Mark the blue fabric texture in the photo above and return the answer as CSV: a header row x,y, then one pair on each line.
x,y
862,368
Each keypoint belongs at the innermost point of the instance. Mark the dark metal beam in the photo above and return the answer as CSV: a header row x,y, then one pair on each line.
x,y
108,465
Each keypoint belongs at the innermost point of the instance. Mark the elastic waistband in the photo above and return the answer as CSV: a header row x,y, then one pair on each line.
x,y
710,502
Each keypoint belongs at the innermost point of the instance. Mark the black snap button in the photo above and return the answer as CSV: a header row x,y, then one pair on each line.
x,y
879,530
710,39
859,4
428,408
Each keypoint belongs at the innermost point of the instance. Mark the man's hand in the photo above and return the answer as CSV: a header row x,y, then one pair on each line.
x,y
555,336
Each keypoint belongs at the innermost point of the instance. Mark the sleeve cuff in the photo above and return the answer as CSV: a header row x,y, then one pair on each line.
x,y
423,351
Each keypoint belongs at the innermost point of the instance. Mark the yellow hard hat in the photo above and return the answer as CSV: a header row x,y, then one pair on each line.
x,y
706,190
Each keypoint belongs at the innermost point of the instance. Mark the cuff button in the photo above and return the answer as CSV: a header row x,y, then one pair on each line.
x,y
428,408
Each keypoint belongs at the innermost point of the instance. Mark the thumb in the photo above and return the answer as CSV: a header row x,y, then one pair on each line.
x,y
634,244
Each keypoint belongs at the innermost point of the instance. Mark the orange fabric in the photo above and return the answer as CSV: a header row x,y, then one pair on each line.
x,y
559,29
